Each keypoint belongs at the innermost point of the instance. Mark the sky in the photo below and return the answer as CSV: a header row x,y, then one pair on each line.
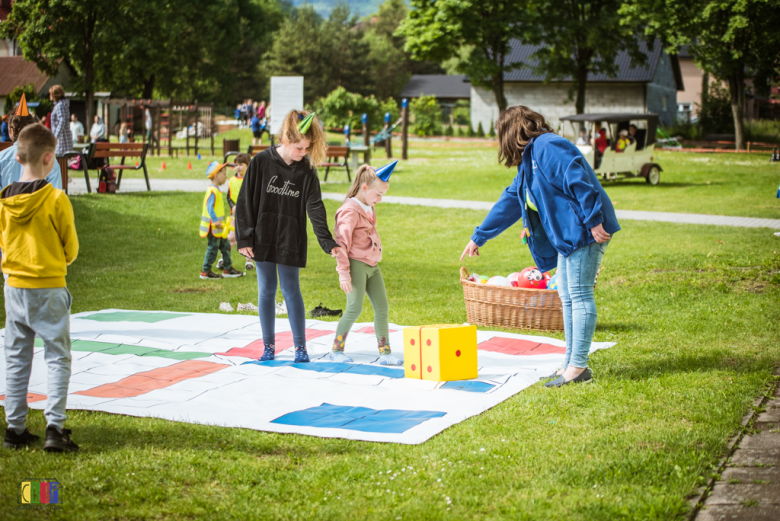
x,y
323,7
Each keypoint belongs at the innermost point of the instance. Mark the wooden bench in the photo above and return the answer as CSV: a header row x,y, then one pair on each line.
x,y
256,149
334,153
123,150
64,159
5,144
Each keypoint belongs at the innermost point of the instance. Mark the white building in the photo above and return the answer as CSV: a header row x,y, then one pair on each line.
x,y
649,88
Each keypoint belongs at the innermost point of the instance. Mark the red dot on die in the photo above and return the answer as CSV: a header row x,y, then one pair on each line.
x,y
430,369
412,341
414,368
457,353
429,342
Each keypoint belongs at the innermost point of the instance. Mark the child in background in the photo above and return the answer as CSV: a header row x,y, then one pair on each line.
x,y
358,260
39,241
280,189
237,115
123,133
213,226
257,129
623,141
234,187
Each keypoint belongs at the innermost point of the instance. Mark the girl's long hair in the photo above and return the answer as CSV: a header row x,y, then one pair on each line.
x,y
318,149
365,174
516,127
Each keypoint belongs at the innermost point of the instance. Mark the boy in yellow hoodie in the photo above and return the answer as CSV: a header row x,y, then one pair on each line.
x,y
38,240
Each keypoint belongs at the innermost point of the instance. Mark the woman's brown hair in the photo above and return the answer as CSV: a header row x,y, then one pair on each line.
x,y
57,92
318,148
516,127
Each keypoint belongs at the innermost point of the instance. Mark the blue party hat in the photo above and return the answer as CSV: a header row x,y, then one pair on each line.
x,y
386,171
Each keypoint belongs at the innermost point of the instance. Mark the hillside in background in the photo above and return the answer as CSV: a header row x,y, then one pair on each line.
x,y
323,7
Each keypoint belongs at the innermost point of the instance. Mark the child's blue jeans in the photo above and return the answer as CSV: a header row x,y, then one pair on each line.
x,y
44,312
576,277
266,296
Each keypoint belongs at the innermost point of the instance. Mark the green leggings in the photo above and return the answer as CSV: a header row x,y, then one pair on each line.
x,y
365,280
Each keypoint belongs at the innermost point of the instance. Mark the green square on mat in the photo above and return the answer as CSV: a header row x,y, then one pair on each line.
x,y
134,316
126,349
89,345
177,355
38,342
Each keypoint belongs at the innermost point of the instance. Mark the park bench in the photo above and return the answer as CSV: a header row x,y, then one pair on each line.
x,y
123,150
334,154
63,161
5,144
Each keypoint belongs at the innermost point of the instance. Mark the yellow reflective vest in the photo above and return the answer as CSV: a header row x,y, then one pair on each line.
x,y
234,186
206,224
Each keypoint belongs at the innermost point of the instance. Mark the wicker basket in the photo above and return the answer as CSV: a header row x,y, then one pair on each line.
x,y
516,308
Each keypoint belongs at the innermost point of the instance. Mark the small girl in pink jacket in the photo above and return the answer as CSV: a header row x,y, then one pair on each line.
x,y
358,260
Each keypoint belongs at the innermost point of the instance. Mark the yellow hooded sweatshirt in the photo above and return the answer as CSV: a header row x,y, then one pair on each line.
x,y
38,238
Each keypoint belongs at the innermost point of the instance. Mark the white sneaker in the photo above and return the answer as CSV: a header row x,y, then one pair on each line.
x,y
249,265
225,306
220,264
339,357
390,359
281,308
247,307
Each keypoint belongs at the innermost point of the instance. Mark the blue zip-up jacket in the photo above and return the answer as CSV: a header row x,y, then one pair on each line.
x,y
569,198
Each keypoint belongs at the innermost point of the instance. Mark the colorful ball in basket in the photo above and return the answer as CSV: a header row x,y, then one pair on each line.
x,y
474,277
553,283
483,279
513,278
498,280
532,278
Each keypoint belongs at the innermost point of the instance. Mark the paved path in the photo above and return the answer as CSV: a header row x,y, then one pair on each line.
x,y
78,186
749,488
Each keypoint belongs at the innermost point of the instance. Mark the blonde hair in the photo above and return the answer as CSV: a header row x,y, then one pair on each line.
x,y
34,141
57,92
289,134
364,175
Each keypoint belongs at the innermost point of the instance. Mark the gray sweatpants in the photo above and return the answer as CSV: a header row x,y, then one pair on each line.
x,y
44,312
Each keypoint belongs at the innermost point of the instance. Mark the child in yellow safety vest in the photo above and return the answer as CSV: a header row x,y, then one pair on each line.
x,y
234,187
214,221
623,142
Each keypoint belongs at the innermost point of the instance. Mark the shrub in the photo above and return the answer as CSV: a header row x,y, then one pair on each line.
x,y
492,131
480,130
449,131
462,112
461,132
427,116
470,132
342,107
715,115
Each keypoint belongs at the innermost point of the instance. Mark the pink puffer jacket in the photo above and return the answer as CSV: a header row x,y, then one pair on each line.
x,y
356,234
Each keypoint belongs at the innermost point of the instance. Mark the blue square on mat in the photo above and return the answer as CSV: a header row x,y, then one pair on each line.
x,y
357,418
469,386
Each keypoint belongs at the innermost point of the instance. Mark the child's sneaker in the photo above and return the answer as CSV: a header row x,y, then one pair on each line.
x,y
301,356
225,306
249,265
269,353
281,308
339,357
220,264
248,307
390,360
17,441
209,275
57,441
232,273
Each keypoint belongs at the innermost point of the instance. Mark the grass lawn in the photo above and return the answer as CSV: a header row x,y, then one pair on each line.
x,y
718,184
695,318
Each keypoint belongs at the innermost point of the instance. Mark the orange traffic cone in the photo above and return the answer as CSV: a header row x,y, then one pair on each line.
x,y
189,166
163,167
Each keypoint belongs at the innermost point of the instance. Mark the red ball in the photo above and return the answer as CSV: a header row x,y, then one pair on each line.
x,y
532,278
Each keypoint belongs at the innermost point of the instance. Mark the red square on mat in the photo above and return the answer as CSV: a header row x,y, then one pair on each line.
x,y
283,341
515,346
31,397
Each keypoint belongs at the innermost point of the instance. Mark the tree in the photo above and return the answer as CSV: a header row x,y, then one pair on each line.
x,y
49,32
728,39
438,29
427,116
580,38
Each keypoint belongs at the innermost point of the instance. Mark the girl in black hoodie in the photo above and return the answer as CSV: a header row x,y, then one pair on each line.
x,y
280,188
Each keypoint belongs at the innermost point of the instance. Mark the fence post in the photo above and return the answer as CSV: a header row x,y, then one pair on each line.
x,y
389,139
366,139
404,128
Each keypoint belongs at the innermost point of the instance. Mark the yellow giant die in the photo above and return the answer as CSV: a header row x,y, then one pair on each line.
x,y
441,352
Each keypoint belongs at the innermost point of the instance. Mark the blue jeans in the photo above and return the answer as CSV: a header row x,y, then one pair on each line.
x,y
576,277
266,296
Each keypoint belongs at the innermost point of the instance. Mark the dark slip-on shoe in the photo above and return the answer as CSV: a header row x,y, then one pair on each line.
x,y
585,377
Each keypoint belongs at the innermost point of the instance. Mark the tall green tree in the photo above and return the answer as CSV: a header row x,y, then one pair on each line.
x,y
439,29
580,38
729,39
50,31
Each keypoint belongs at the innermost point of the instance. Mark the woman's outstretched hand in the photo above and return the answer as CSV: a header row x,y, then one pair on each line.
x,y
247,252
471,249
599,234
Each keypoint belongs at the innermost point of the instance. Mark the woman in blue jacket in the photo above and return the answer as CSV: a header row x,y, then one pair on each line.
x,y
569,220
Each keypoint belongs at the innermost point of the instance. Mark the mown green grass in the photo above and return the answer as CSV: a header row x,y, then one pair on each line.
x,y
693,310
717,184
